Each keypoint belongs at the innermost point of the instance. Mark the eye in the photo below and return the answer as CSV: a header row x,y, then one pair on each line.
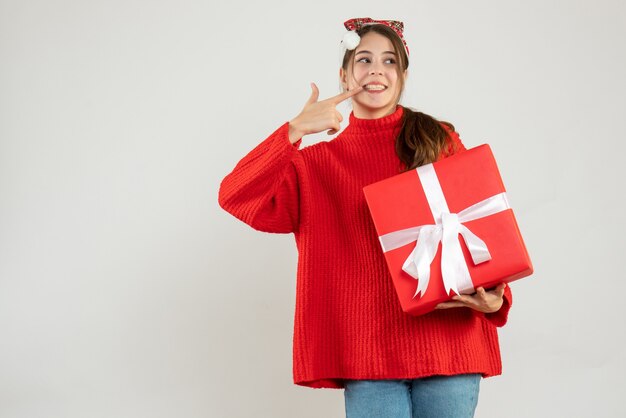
x,y
393,61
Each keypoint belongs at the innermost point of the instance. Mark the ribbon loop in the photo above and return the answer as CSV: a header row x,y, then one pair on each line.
x,y
418,262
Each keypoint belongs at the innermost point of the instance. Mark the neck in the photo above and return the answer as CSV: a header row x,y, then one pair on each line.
x,y
368,113
384,127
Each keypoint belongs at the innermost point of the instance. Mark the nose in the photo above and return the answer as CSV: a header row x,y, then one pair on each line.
x,y
376,68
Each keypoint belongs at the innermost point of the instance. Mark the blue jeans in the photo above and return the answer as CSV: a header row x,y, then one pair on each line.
x,y
429,397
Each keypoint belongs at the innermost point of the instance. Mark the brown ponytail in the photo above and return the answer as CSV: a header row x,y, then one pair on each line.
x,y
421,139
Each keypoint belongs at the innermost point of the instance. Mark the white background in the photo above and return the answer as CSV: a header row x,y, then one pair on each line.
x,y
126,291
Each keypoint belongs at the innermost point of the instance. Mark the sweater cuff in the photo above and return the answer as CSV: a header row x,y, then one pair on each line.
x,y
269,156
500,317
285,126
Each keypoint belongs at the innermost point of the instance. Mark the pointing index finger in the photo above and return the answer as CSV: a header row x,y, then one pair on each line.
x,y
346,95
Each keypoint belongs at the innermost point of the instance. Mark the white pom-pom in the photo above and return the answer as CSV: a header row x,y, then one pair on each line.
x,y
351,40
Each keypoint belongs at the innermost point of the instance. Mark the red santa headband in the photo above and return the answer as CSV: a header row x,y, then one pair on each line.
x,y
352,39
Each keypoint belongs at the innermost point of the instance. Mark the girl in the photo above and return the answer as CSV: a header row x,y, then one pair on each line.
x,y
349,329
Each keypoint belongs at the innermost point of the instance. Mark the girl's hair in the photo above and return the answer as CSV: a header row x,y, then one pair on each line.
x,y
421,138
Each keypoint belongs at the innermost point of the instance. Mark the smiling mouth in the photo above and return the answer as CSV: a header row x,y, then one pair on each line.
x,y
374,87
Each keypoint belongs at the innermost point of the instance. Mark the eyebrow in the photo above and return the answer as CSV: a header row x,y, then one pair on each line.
x,y
369,52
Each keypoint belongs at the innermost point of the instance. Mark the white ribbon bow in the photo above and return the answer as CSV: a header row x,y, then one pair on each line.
x,y
446,229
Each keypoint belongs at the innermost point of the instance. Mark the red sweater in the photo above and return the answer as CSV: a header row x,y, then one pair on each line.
x,y
348,321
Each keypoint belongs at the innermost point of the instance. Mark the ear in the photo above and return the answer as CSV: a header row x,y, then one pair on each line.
x,y
342,78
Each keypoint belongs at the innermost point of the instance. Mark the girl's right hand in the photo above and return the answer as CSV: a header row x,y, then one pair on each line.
x,y
318,116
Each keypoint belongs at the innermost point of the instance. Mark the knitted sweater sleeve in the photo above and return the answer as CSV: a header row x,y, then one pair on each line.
x,y
500,317
263,190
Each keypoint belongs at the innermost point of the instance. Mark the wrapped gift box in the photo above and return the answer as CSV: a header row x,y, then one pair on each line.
x,y
447,228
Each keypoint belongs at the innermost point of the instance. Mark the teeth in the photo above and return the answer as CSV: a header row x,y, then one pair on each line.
x,y
375,87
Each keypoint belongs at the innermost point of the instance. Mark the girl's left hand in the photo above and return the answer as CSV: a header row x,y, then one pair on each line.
x,y
482,300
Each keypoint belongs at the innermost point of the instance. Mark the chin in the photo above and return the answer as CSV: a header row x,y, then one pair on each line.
x,y
376,106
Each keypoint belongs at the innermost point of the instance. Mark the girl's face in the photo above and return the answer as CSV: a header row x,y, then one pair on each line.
x,y
375,67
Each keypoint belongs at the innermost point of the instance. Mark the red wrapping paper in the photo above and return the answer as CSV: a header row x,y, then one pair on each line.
x,y
466,178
